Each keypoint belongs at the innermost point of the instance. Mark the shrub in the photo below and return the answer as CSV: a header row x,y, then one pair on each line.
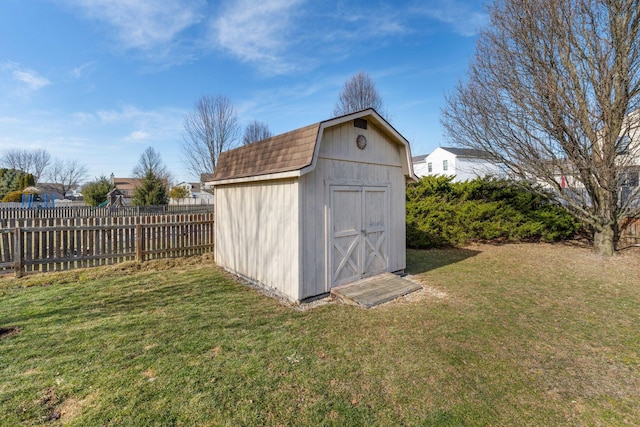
x,y
178,192
443,213
14,196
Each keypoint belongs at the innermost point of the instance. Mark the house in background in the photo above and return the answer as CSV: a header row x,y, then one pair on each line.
x,y
197,194
462,163
420,165
126,186
627,159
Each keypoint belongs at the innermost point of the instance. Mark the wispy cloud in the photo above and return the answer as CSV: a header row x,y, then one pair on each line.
x,y
19,83
84,69
256,32
138,135
143,24
285,36
139,124
465,18
274,36
28,78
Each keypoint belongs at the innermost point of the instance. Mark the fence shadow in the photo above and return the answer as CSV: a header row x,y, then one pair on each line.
x,y
423,260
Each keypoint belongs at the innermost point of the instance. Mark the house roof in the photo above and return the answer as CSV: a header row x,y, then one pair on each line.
x,y
126,184
419,158
470,153
290,151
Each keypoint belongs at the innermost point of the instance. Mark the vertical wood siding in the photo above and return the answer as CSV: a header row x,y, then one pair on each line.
x,y
257,233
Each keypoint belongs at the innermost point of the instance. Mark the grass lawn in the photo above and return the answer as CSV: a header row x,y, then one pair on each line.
x,y
500,335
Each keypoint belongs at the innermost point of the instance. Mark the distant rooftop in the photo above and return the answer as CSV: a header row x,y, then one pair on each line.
x,y
470,153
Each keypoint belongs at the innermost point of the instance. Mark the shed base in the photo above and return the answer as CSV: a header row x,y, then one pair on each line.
x,y
375,290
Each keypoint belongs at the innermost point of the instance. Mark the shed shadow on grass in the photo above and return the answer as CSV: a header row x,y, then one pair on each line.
x,y
423,260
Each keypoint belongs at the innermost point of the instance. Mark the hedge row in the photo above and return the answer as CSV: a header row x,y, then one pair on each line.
x,y
443,213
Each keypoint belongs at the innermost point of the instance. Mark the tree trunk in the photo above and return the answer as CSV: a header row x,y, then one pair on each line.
x,y
604,240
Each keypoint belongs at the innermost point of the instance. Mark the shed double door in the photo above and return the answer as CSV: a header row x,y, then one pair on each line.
x,y
358,238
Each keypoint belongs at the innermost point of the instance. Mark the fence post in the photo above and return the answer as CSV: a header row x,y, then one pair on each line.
x,y
139,243
17,252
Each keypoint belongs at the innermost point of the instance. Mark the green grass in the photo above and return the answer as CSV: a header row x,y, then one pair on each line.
x,y
501,335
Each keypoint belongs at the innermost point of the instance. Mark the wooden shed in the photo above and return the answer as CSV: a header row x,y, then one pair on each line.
x,y
316,207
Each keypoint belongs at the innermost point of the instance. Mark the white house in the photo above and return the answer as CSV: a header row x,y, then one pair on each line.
x,y
420,165
463,163
316,207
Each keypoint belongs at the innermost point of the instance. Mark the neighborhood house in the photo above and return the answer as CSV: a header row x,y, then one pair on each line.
x,y
462,163
316,207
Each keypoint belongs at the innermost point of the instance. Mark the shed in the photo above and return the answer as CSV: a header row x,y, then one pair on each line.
x,y
314,208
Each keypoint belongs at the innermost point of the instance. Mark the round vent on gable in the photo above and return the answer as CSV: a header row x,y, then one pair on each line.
x,y
361,142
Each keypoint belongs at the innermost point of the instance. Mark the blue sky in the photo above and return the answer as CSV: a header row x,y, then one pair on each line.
x,y
99,81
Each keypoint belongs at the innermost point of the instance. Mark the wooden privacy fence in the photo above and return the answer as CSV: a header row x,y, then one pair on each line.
x,y
40,245
12,213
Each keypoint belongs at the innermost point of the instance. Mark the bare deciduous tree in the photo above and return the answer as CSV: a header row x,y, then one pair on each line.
x,y
552,94
209,130
256,131
34,162
67,174
151,162
358,93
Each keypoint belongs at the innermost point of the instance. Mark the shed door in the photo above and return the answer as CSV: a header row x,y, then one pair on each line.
x,y
358,240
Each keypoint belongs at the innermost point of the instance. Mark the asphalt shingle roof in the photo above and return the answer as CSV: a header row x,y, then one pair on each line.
x,y
282,153
467,152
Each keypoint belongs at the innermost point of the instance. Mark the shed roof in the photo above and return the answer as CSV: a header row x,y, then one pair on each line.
x,y
292,151
281,153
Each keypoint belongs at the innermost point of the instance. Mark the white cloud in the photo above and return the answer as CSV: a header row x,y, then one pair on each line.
x,y
131,123
257,31
143,24
84,69
8,120
29,79
465,18
138,135
128,114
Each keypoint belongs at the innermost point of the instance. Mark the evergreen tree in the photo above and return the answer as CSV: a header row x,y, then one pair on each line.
x,y
95,192
14,180
152,191
26,180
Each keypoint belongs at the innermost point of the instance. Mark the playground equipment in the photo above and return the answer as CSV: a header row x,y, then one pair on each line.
x,y
31,200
